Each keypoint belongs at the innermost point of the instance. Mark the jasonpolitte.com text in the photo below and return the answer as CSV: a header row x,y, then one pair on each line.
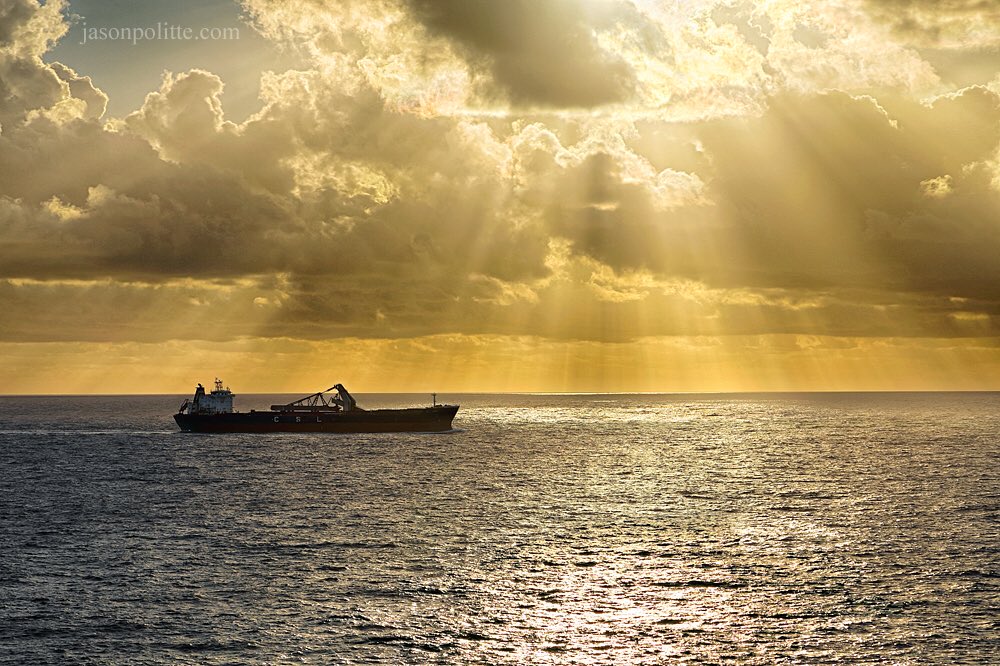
x,y
160,31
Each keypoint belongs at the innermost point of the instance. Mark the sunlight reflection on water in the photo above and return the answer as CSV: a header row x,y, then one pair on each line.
x,y
548,529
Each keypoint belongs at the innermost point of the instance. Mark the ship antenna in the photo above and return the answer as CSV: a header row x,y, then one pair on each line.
x,y
434,399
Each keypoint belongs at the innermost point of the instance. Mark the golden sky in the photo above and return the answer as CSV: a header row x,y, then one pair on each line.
x,y
502,195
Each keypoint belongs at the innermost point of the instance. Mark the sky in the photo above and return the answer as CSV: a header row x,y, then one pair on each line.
x,y
516,195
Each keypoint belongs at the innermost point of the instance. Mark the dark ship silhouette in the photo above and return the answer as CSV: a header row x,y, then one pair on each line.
x,y
213,412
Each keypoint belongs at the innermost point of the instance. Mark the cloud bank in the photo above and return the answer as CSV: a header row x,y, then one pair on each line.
x,y
591,171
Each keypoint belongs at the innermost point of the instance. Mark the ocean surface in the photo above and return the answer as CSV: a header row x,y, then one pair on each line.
x,y
546,529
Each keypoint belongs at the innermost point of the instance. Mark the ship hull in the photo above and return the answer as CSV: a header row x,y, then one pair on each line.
x,y
425,419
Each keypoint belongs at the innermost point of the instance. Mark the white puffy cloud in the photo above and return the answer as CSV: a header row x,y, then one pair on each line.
x,y
182,119
30,87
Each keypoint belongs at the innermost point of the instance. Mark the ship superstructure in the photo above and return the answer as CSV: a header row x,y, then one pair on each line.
x,y
219,401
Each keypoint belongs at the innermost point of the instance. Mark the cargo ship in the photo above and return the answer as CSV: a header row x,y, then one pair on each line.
x,y
319,412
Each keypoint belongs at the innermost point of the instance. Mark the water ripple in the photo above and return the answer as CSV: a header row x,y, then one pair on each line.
x,y
821,529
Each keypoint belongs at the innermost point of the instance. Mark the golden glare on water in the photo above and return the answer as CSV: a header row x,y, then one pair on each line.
x,y
543,529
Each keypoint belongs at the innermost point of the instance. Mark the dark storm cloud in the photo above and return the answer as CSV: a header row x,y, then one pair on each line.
x,y
539,52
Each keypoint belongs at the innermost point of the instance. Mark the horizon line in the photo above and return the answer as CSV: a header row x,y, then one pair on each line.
x,y
538,393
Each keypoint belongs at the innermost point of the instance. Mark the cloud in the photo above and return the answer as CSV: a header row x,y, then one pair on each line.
x,y
538,52
184,117
812,218
28,28
29,86
835,44
174,190
83,89
948,24
358,203
840,198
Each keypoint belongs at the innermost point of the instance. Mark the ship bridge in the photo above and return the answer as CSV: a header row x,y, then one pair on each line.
x,y
219,401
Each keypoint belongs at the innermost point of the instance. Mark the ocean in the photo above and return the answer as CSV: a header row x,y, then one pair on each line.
x,y
546,529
